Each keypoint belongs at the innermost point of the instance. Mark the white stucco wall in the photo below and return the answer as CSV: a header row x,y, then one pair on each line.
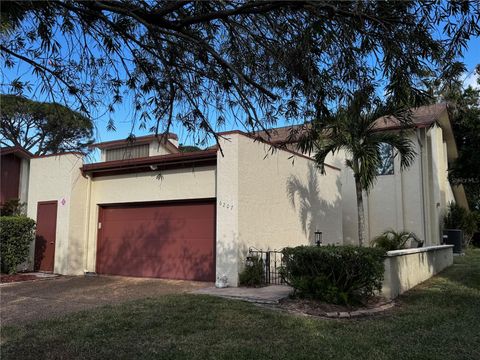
x,y
59,178
278,200
405,269
178,184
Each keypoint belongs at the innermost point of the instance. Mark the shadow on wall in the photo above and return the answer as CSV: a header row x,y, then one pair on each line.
x,y
230,258
161,245
39,251
313,211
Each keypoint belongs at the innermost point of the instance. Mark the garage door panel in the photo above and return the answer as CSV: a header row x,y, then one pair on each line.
x,y
172,241
145,230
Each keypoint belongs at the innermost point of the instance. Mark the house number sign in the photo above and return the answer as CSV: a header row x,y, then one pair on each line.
x,y
226,205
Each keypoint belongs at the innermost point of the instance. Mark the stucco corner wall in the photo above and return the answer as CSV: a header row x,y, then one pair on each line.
x,y
77,233
227,250
270,200
58,178
405,269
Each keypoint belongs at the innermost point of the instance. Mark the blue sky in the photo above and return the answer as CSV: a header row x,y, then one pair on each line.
x,y
123,114
124,125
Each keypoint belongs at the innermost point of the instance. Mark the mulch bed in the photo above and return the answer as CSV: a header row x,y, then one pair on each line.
x,y
6,278
318,308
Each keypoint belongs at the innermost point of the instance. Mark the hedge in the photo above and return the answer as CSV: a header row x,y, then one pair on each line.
x,y
254,273
334,274
16,234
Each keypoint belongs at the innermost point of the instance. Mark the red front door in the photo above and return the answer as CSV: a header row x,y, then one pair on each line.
x,y
46,235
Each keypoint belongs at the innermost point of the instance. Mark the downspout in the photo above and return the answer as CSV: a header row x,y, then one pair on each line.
x,y
87,224
422,180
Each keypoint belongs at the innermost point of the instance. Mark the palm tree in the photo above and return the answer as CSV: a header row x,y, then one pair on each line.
x,y
352,129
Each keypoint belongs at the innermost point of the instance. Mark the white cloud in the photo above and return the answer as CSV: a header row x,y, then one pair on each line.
x,y
471,80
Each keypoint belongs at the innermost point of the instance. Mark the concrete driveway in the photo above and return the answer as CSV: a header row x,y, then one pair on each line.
x,y
24,302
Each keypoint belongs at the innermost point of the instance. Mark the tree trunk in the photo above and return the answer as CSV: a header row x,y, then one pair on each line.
x,y
360,211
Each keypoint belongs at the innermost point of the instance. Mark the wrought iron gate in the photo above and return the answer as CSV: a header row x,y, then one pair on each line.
x,y
272,262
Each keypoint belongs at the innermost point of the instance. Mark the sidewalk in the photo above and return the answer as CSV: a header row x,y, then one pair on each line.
x,y
264,295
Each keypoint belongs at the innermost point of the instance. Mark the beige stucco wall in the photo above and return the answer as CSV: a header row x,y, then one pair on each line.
x,y
270,201
157,148
405,269
178,184
395,201
23,180
349,198
436,177
59,178
414,199
77,231
283,200
227,250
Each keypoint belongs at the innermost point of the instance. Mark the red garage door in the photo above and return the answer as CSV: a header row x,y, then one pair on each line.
x,y
171,240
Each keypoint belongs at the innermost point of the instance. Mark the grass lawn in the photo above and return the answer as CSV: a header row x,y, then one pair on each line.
x,y
438,320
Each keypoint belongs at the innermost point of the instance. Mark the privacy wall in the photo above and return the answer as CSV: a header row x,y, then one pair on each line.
x,y
270,200
58,178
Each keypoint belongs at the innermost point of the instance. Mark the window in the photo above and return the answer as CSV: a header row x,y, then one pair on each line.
x,y
127,152
386,160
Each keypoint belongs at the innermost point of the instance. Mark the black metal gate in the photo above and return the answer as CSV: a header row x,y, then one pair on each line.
x,y
272,261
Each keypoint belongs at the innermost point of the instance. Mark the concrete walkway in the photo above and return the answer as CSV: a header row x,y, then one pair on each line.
x,y
264,295
28,301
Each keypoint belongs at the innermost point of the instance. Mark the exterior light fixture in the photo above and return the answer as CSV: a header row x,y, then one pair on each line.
x,y
318,238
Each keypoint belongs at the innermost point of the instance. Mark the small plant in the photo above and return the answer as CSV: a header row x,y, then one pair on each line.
x,y
254,273
16,234
335,274
13,207
459,218
393,240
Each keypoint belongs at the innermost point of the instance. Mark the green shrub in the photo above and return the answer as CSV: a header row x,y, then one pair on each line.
x,y
13,207
459,218
254,273
334,274
392,240
16,234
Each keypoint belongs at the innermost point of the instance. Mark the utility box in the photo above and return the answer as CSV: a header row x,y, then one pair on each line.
x,y
455,238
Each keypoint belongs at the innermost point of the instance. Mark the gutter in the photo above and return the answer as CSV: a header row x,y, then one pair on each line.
x,y
422,180
152,163
87,224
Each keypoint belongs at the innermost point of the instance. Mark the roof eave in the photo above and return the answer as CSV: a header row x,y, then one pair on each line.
x,y
17,150
198,158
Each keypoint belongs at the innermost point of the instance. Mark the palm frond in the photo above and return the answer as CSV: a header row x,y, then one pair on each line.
x,y
402,144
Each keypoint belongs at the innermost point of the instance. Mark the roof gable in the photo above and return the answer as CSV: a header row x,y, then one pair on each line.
x,y
136,141
423,116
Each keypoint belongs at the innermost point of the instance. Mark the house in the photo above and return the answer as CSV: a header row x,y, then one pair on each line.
x,y
414,199
146,209
14,162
